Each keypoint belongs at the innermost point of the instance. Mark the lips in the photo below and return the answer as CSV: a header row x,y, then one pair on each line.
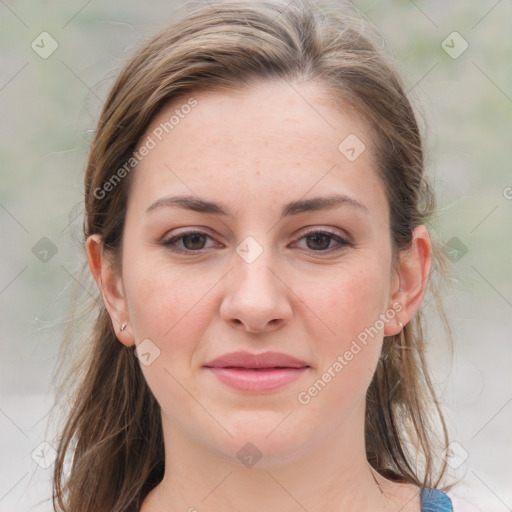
x,y
256,372
256,361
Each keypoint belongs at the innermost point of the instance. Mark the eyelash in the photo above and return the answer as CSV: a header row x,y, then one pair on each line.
x,y
170,243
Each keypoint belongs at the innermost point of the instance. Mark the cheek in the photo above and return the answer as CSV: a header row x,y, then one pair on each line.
x,y
173,311
348,303
350,307
168,304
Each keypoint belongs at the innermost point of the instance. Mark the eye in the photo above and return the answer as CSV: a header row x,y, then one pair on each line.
x,y
190,241
320,241
316,241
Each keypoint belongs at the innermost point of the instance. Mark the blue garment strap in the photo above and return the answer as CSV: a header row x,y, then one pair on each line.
x,y
433,500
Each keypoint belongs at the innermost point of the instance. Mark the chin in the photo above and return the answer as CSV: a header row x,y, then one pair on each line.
x,y
264,444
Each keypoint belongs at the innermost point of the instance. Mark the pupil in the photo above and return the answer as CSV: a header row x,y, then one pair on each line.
x,y
320,241
194,237
317,238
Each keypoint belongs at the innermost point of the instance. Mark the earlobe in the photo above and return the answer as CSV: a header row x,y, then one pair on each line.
x,y
111,287
413,273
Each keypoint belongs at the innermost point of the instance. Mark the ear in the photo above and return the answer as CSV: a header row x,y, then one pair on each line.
x,y
111,287
413,273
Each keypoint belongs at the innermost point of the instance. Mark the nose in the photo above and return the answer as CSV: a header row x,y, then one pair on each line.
x,y
256,298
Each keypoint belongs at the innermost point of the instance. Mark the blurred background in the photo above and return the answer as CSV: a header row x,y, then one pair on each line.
x,y
58,60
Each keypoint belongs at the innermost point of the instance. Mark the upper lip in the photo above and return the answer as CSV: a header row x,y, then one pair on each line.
x,y
263,360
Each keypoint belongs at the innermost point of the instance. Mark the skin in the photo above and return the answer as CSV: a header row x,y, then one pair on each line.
x,y
296,297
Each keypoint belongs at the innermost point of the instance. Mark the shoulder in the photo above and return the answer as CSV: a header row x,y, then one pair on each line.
x,y
408,497
433,500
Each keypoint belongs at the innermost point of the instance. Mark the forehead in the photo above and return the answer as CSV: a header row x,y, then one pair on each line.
x,y
269,140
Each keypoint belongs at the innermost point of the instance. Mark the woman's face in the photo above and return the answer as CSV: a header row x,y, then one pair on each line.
x,y
271,266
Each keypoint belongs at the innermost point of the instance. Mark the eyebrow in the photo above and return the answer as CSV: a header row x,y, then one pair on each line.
x,y
292,208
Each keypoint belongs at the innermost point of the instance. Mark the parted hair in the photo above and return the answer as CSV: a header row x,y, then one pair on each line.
x,y
110,449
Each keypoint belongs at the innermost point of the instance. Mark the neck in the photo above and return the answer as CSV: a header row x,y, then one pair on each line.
x,y
334,475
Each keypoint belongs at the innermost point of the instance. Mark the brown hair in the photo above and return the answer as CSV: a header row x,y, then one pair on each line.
x,y
114,431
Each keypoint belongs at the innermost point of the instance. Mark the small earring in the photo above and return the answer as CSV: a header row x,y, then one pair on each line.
x,y
399,323
123,327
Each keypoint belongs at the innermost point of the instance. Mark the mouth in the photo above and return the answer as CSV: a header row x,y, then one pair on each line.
x,y
257,379
257,372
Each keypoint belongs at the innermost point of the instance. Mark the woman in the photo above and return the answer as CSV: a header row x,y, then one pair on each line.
x,y
255,222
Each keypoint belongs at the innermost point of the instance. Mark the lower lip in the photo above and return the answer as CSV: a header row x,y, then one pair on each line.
x,y
257,380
